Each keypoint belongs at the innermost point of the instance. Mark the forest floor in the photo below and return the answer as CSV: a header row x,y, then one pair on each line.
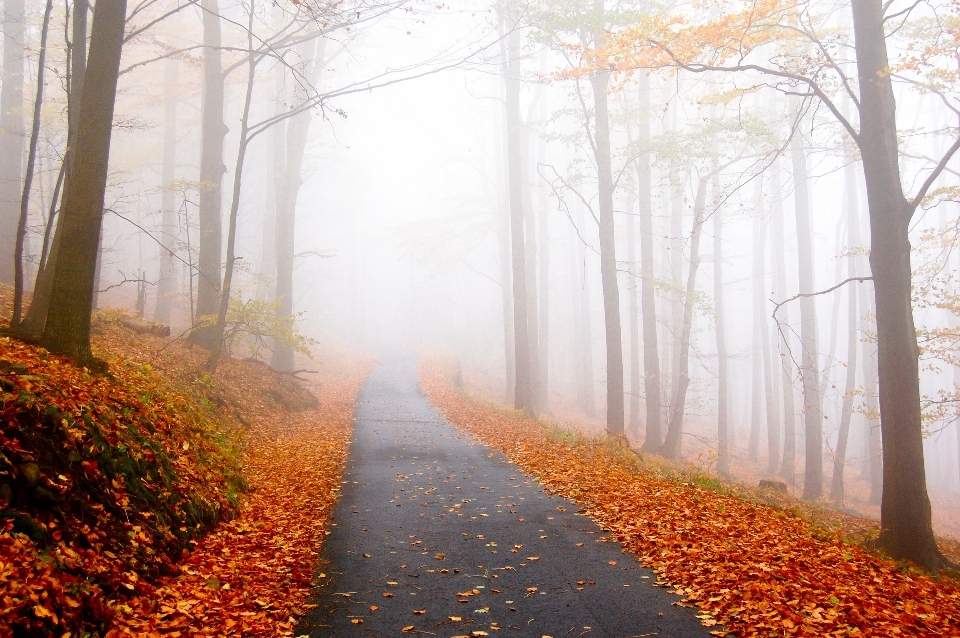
x,y
158,500
758,562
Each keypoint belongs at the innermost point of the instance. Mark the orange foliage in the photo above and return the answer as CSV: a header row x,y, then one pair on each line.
x,y
755,569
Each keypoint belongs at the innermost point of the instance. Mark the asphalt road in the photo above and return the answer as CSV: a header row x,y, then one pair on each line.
x,y
436,534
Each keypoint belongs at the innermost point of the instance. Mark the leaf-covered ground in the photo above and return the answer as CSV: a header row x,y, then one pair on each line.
x,y
756,569
110,487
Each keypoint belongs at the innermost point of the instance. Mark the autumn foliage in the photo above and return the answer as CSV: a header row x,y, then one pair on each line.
x,y
111,485
749,567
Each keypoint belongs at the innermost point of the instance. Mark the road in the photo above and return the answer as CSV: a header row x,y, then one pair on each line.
x,y
437,534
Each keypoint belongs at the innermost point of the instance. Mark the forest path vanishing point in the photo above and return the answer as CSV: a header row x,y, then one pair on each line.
x,y
425,531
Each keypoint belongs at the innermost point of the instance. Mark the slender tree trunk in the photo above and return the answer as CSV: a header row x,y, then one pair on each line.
x,y
523,399
530,263
212,133
167,285
585,391
67,328
653,436
810,368
632,279
846,410
723,392
36,317
312,53
789,409
216,351
18,284
506,281
671,445
544,250
11,133
608,258
772,406
759,325
905,517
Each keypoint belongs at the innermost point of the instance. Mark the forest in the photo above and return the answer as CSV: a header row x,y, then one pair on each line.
x,y
680,273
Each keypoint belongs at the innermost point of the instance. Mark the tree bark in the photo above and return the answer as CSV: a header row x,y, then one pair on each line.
x,y
671,444
67,327
523,398
653,436
906,529
723,392
297,128
212,169
772,407
544,272
18,284
530,263
810,368
36,317
608,258
756,349
502,224
167,285
11,133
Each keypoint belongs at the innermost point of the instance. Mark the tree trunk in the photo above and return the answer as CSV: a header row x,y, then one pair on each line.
x,y
810,368
671,445
523,399
36,317
772,406
502,223
11,133
212,132
28,177
906,530
846,409
723,392
216,350
312,53
632,279
67,328
530,265
756,349
608,258
653,435
789,415
167,285
585,392
544,283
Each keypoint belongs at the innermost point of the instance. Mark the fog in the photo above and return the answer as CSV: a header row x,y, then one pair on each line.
x,y
402,222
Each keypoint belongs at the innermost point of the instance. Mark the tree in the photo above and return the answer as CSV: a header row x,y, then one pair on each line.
x,y
67,328
734,43
11,133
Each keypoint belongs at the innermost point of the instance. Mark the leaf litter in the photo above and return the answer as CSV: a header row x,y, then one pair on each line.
x,y
752,569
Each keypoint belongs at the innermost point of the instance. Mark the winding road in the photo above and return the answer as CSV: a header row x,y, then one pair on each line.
x,y
436,534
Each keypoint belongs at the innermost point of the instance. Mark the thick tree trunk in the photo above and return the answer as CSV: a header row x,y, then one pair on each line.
x,y
906,530
297,127
212,132
723,392
167,285
634,307
11,133
810,368
608,258
671,444
36,316
653,436
19,283
67,328
853,324
523,398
